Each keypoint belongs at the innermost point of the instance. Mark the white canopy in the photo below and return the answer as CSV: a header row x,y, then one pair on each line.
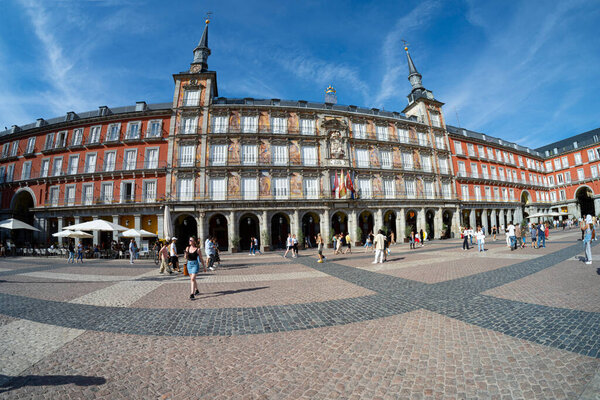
x,y
72,234
12,224
137,233
542,215
167,224
96,225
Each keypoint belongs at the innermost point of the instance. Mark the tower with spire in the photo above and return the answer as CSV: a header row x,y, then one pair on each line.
x,y
201,52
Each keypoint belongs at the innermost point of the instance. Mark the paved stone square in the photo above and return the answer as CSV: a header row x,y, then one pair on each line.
x,y
430,323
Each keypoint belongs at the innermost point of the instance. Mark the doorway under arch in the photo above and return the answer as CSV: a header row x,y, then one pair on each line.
x,y
22,203
389,221
339,223
311,227
217,227
430,223
185,227
280,228
585,200
366,224
411,222
447,224
249,227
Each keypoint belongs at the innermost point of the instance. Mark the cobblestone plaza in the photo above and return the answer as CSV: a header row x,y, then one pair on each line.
x,y
435,322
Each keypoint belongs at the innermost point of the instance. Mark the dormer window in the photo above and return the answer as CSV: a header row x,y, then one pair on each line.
x,y
191,98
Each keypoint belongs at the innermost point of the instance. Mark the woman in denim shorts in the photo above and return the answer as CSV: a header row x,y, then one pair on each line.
x,y
193,255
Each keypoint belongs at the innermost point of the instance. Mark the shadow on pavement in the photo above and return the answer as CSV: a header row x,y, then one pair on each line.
x,y
8,383
226,292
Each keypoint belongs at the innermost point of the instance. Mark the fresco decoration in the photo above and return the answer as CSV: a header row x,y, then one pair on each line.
x,y
397,158
420,189
295,158
400,185
264,122
377,187
265,186
374,157
412,134
293,123
417,159
234,121
233,186
296,186
234,152
265,152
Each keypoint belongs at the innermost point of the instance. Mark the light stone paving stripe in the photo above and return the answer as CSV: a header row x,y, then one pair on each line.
x,y
121,294
592,390
78,277
5,269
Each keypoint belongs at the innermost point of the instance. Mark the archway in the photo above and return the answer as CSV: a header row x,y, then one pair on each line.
x,y
447,224
465,218
22,203
185,226
217,227
430,223
280,228
311,227
366,225
411,222
249,227
585,200
339,223
389,221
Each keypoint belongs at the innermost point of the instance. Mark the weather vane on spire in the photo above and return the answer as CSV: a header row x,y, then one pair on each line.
x,y
208,14
405,44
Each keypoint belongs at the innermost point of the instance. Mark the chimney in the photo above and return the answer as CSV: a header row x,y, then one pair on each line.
x,y
141,106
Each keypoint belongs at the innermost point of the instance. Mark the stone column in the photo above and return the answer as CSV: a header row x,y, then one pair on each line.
x,y
400,225
456,222
265,237
160,228
378,220
116,233
201,229
472,219
296,228
232,232
60,228
96,234
518,215
484,222
438,221
353,225
137,221
421,224
501,216
325,227
493,218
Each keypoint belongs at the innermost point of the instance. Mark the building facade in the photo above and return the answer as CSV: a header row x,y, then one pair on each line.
x,y
242,168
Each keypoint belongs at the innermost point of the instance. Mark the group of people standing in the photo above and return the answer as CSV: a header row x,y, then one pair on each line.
x,y
291,244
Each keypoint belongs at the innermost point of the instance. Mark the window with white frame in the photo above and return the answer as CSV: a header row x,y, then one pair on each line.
x,y
446,190
464,190
484,171
187,155
458,149
359,130
26,170
280,154
471,149
106,192
490,153
311,187
477,193
127,191
496,193
548,166
565,162
279,124
191,98
462,169
10,169
114,132
30,145
480,151
364,187
87,193
54,195
512,193
505,194
307,126
70,195
149,191
90,163
426,163
151,159
14,149
185,189
61,140
5,150
557,164
386,159
435,119
474,170
591,155
594,171
443,162
249,188
580,174
73,164
563,195
249,154
49,141
440,143
422,139
553,196
249,123
407,160
382,133
577,158
218,154
45,168
281,188
499,155
403,136
133,130
77,137
94,136
488,193
493,172
429,191
220,123
501,173
567,176
309,155
154,128
410,188
189,125
218,188
362,158
514,175
520,161
110,161
57,166
389,188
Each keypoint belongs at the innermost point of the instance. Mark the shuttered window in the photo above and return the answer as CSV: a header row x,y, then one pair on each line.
x,y
218,188
218,154
382,133
309,155
280,155
279,124
187,156
185,189
191,98
220,124
311,188
362,158
280,188
386,159
359,130
249,123
249,188
409,187
307,126
407,160
249,154
389,188
364,185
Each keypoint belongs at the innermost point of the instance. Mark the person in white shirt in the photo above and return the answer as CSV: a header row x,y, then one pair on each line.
x,y
379,244
289,245
480,238
173,255
512,238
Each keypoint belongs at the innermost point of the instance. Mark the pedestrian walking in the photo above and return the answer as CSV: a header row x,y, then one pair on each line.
x,y
348,240
211,251
533,233
256,247
320,246
289,245
163,256
369,243
132,250
541,235
71,258
494,231
379,244
465,245
523,237
587,229
338,243
480,235
412,240
80,251
193,258
294,246
173,255
251,247
511,235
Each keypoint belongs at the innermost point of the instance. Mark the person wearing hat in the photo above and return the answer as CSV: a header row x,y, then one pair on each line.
x,y
173,255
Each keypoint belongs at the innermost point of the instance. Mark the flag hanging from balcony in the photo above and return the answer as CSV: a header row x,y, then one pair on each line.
x,y
336,186
342,186
349,184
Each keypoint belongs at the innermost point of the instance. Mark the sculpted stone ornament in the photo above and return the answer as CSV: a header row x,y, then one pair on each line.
x,y
336,145
337,134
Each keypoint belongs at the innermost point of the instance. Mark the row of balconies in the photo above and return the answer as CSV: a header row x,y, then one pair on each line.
x,y
503,162
495,177
92,142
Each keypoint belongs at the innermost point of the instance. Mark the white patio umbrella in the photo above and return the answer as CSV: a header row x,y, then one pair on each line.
x,y
96,225
137,233
73,234
12,224
167,224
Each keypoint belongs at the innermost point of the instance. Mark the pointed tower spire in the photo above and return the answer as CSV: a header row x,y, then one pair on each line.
x,y
201,52
413,75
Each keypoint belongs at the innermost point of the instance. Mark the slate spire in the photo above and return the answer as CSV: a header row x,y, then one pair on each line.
x,y
201,52
413,75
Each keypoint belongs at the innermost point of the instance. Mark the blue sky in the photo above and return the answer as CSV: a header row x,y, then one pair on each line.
x,y
524,71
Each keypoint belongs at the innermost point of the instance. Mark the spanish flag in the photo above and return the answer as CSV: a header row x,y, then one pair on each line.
x,y
343,186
